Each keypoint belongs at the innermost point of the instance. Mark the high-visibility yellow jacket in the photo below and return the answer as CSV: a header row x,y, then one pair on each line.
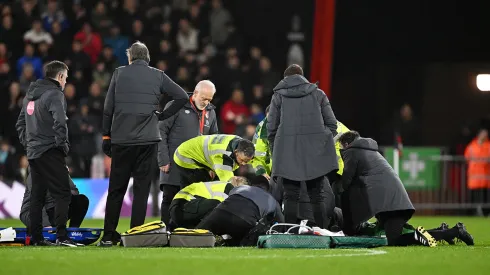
x,y
340,130
213,152
214,190
262,162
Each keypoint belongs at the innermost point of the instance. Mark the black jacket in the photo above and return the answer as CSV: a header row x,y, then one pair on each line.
x,y
48,203
132,99
371,185
242,199
301,126
42,121
177,129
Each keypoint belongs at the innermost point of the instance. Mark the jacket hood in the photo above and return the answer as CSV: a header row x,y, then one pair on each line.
x,y
36,89
364,143
295,86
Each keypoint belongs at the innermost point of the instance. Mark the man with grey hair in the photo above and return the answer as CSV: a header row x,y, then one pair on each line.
x,y
130,133
196,118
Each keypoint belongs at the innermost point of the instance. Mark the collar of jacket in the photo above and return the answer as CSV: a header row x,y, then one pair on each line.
x,y
139,62
50,80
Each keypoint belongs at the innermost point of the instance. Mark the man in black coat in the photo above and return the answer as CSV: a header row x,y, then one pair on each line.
x,y
301,126
196,118
43,132
131,135
371,188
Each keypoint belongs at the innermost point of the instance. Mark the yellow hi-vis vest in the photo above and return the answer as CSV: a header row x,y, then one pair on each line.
x,y
214,190
341,129
211,151
262,161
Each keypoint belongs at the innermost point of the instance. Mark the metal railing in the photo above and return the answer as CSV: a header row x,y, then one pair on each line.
x,y
438,183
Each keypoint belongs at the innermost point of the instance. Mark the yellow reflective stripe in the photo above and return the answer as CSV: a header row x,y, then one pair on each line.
x,y
223,167
209,187
184,195
184,159
260,154
219,151
206,149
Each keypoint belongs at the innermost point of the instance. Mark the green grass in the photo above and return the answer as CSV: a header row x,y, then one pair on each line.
x,y
444,259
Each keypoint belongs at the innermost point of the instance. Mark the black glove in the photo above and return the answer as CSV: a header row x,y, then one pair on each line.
x,y
107,146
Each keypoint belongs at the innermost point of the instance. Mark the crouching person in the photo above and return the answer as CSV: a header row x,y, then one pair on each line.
x,y
245,206
195,201
370,187
77,210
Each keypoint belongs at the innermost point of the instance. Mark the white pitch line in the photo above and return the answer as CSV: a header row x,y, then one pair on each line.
x,y
358,252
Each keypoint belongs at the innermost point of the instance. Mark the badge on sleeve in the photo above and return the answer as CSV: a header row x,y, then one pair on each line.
x,y
30,108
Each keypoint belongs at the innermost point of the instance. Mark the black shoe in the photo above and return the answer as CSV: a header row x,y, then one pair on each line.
x,y
445,226
463,234
67,242
103,243
43,242
423,237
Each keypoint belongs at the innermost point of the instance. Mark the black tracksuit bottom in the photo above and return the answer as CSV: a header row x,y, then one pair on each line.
x,y
315,189
140,161
49,172
76,212
222,222
393,223
169,192
188,214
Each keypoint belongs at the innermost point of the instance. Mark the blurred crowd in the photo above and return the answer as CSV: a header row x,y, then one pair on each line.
x,y
189,40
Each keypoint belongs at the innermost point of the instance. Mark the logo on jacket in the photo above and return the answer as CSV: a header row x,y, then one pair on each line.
x,y
30,108
187,111
207,123
207,115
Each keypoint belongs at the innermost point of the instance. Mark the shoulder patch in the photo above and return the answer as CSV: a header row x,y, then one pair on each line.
x,y
30,107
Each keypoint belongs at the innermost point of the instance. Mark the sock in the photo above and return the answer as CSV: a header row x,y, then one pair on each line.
x,y
444,234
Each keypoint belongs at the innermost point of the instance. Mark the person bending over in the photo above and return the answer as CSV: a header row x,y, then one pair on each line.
x,y
191,204
245,206
370,187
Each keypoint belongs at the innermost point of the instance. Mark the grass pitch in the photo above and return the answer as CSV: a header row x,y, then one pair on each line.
x,y
444,259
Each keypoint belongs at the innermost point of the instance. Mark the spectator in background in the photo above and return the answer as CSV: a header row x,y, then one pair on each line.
x,y
5,79
257,114
183,79
187,37
166,53
8,161
218,18
54,14
80,84
197,20
4,58
118,43
9,35
405,126
28,13
96,102
71,102
101,76
101,20
166,31
233,112
26,77
268,77
13,110
478,156
128,15
91,42
233,75
61,41
138,33
44,54
83,127
77,59
80,17
29,57
109,59
37,34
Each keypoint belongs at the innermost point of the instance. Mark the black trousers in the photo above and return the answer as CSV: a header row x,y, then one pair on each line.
x,y
188,214
315,190
190,176
76,212
140,161
393,223
169,192
222,222
49,172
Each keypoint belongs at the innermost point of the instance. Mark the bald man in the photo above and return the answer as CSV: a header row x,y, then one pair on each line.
x,y
196,118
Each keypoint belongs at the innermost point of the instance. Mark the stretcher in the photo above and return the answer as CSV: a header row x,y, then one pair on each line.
x,y
86,236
